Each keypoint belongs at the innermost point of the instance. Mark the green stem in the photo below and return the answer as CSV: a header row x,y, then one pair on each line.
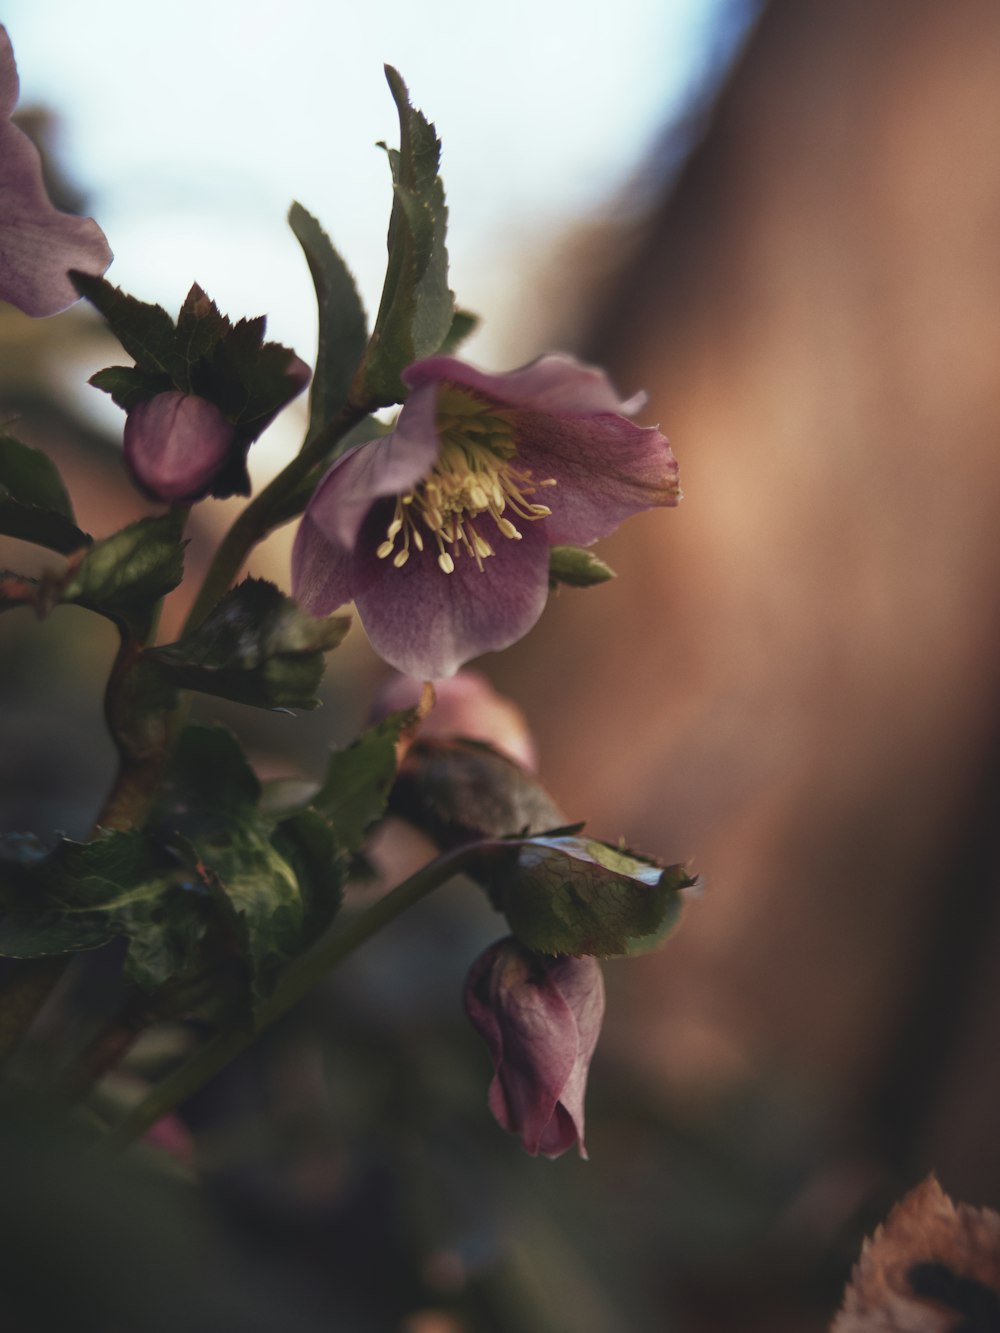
x,y
279,502
295,983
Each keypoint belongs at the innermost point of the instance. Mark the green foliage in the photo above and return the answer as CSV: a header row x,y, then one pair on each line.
x,y
343,328
34,505
123,576
256,647
577,567
145,331
417,308
573,895
358,779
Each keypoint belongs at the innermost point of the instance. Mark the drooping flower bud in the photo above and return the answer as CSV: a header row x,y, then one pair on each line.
x,y
175,444
465,705
540,1017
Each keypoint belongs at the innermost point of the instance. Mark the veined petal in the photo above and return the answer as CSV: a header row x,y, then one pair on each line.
x,y
605,469
390,465
321,570
427,623
553,383
38,243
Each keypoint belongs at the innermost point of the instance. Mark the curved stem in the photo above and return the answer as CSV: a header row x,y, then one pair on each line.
x,y
295,983
279,502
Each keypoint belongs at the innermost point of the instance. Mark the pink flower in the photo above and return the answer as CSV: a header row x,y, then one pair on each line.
x,y
440,531
540,1017
465,705
38,243
175,443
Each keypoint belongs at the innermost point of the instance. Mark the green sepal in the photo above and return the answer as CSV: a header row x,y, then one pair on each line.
x,y
343,327
255,647
34,505
417,308
577,567
355,789
126,574
128,386
574,895
458,791
145,331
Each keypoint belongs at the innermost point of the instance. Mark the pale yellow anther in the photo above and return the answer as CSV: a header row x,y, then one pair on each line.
x,y
475,476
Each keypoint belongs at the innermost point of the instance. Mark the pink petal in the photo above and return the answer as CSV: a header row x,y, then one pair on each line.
x,y
175,443
605,469
427,623
553,383
38,243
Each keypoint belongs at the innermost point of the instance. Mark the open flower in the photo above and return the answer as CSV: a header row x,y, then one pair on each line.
x,y
175,443
38,243
541,1018
440,531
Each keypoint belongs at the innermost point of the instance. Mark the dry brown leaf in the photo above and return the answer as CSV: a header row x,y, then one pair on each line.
x,y
932,1267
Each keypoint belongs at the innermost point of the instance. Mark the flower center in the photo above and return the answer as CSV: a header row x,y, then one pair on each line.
x,y
474,475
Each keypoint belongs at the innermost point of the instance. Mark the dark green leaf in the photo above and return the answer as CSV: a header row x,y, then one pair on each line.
x,y
577,567
34,505
343,328
256,647
130,571
417,307
208,776
145,331
572,895
129,386
358,779
463,325
307,843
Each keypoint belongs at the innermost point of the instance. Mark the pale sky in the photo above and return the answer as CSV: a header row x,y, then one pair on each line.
x,y
192,125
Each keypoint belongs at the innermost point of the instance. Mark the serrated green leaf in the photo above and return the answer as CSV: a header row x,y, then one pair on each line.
x,y
356,785
417,307
256,647
208,777
572,895
577,567
343,328
130,571
145,331
129,386
34,505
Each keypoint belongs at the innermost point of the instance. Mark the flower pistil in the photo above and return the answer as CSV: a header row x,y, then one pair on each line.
x,y
474,474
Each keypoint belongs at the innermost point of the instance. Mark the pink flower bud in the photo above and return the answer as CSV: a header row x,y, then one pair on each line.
x,y
465,705
540,1016
175,445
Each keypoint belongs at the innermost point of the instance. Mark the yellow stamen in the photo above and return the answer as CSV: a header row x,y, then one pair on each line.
x,y
475,475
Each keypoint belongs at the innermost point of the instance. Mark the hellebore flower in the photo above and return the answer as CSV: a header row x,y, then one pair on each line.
x,y
540,1017
175,443
465,705
440,531
38,243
